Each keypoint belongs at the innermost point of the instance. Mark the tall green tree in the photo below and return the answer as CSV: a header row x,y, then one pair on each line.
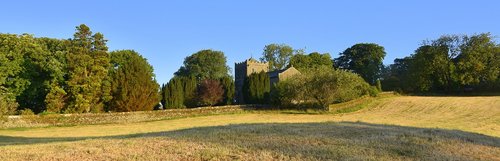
x,y
163,94
173,93
180,92
364,59
257,88
313,60
13,81
133,86
54,65
479,61
450,63
444,52
37,64
43,67
88,63
189,88
394,77
229,90
432,66
277,55
421,71
204,64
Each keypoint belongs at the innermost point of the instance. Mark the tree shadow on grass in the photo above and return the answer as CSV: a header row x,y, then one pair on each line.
x,y
338,129
327,140
321,141
485,94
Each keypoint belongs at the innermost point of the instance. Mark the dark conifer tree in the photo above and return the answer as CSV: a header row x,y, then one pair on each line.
x,y
229,89
174,93
256,88
190,86
132,82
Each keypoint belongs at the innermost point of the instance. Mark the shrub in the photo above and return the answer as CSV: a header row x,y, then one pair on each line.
x,y
7,105
284,92
319,88
47,113
210,92
25,112
373,91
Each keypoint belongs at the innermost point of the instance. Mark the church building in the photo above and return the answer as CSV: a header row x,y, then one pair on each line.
x,y
249,66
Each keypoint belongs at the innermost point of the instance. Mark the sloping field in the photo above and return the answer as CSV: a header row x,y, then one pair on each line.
x,y
473,114
391,128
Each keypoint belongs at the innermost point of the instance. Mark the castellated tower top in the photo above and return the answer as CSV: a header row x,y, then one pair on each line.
x,y
250,66
252,61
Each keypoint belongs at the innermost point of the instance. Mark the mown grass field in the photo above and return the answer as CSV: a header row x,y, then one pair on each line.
x,y
387,128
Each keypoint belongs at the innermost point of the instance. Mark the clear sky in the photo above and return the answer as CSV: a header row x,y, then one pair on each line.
x,y
165,32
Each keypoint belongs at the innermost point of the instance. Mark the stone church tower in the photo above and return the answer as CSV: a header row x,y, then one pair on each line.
x,y
243,70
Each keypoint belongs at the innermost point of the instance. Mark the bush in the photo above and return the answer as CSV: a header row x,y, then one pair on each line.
x,y
47,113
284,92
373,91
7,105
210,92
25,112
319,88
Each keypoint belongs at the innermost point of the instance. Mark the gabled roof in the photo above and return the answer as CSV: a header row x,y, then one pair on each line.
x,y
275,73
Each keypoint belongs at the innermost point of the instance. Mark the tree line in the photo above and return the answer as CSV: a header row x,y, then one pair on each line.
x,y
203,80
80,75
190,85
450,64
76,75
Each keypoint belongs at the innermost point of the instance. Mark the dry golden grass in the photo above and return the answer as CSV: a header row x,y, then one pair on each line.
x,y
270,141
474,114
282,136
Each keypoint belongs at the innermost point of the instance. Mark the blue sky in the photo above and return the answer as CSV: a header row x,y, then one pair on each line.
x,y
165,32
